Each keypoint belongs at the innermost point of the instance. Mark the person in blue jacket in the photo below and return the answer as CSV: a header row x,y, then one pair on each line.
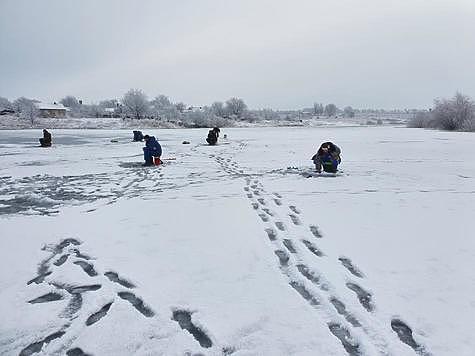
x,y
152,149
327,157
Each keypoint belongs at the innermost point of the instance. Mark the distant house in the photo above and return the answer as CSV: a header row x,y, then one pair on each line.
x,y
193,109
110,112
52,110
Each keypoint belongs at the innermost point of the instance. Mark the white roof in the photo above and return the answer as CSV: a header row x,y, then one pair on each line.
x,y
45,106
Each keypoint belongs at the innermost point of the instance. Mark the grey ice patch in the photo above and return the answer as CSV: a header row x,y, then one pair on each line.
x,y
94,318
283,257
49,297
183,317
314,249
38,346
87,267
114,277
315,231
294,209
346,262
280,225
272,234
289,245
264,217
295,219
364,297
341,309
404,332
300,288
350,345
137,303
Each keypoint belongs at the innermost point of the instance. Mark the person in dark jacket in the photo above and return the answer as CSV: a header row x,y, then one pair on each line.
x,y
138,136
328,157
213,136
46,140
152,149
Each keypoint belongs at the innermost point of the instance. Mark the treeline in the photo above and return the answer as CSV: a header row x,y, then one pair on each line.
x,y
455,114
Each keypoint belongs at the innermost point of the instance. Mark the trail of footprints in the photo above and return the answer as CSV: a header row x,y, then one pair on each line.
x,y
63,252
299,274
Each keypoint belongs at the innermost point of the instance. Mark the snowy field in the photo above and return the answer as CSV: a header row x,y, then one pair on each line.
x,y
237,249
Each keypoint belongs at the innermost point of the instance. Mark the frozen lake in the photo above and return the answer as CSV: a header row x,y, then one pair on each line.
x,y
234,249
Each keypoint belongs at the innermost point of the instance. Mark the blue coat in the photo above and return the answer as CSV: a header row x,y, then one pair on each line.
x,y
153,145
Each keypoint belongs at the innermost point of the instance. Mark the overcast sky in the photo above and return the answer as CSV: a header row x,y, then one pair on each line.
x,y
271,53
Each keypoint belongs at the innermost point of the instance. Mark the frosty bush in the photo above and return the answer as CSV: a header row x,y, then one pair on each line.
x,y
420,120
456,114
236,107
27,108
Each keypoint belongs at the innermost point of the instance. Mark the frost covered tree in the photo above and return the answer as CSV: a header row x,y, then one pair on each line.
x,y
27,108
162,107
457,113
317,109
349,111
161,102
135,103
236,106
180,107
109,103
218,109
330,109
5,104
70,102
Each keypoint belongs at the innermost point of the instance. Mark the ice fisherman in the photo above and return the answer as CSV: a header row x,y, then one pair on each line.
x,y
152,149
328,157
213,136
46,140
138,136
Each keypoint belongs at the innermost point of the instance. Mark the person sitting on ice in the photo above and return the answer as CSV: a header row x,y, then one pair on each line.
x,y
138,136
152,149
328,157
213,136
46,140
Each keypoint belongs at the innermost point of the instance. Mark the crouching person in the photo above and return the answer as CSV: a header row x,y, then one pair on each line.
x,y
152,149
213,135
46,140
327,157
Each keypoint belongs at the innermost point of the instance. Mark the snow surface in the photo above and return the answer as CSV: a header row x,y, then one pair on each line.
x,y
243,238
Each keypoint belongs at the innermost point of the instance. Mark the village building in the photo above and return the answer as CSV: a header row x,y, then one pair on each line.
x,y
52,110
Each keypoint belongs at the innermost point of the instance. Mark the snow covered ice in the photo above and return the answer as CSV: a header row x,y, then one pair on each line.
x,y
237,248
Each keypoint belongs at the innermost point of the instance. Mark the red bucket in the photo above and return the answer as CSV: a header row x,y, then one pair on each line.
x,y
157,161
